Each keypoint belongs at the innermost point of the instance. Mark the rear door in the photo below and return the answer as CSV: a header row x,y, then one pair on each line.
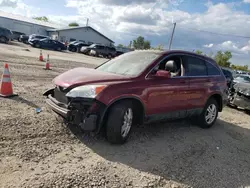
x,y
200,83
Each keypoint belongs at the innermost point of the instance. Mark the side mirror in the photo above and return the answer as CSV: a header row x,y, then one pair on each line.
x,y
163,74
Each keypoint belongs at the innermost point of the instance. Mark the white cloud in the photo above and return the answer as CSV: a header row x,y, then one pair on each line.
x,y
149,17
231,46
208,45
246,1
18,7
8,3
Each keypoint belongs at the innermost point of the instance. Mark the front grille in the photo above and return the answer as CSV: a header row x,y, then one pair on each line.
x,y
60,95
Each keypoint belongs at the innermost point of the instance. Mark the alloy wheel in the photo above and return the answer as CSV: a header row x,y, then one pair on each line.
x,y
127,122
211,113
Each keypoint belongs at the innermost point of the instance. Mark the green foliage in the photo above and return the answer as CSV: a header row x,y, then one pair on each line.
x,y
141,44
239,67
73,24
199,52
121,45
42,18
158,47
222,58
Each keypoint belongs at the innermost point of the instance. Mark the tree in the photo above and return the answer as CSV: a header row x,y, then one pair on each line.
x,y
199,52
239,67
158,47
42,18
73,24
146,45
141,44
121,45
222,58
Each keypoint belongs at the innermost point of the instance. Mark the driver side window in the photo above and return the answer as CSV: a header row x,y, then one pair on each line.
x,y
172,64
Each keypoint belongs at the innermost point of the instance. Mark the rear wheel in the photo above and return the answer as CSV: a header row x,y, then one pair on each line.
x,y
119,122
3,39
109,56
208,116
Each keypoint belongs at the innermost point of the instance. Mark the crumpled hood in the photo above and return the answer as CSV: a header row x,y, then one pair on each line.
x,y
82,76
243,88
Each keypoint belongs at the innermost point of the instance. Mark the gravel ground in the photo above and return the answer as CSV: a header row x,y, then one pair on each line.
x,y
38,150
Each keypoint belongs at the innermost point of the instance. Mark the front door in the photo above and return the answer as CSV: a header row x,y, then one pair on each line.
x,y
167,98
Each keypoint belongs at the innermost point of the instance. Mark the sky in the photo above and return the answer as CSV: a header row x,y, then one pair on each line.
x,y
206,25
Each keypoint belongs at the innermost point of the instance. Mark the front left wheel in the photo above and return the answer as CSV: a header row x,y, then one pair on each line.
x,y
119,122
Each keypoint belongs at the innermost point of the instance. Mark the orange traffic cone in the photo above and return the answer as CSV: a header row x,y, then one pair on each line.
x,y
6,85
41,56
47,65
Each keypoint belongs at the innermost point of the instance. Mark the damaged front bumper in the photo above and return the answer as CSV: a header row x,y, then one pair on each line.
x,y
241,100
86,113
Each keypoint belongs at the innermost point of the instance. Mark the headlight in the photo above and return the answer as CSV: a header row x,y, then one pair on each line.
x,y
87,91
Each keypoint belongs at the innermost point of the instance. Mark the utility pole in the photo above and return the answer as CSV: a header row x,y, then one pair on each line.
x,y
171,39
87,24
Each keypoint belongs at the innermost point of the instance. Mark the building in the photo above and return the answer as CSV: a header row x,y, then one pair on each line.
x,y
24,25
30,26
85,34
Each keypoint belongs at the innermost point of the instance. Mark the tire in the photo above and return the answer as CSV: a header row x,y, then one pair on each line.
x,y
37,45
73,49
116,130
201,119
3,40
109,56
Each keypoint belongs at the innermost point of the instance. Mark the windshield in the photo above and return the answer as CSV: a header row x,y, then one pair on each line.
x,y
92,45
243,78
44,39
129,64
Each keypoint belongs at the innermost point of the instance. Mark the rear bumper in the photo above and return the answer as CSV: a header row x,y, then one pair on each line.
x,y
87,114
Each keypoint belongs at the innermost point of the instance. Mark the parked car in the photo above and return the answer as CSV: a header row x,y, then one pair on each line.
x,y
122,50
140,87
49,44
5,35
33,38
76,46
241,78
16,35
240,96
98,49
229,76
24,39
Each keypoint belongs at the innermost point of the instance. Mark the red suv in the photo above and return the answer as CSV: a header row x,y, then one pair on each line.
x,y
140,87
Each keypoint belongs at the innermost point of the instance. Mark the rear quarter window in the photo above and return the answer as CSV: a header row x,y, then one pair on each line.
x,y
212,70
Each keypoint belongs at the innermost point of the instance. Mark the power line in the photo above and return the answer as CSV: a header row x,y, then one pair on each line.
x,y
215,33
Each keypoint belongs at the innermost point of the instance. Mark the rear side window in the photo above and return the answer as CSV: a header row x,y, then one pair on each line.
x,y
195,66
212,70
227,73
100,47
